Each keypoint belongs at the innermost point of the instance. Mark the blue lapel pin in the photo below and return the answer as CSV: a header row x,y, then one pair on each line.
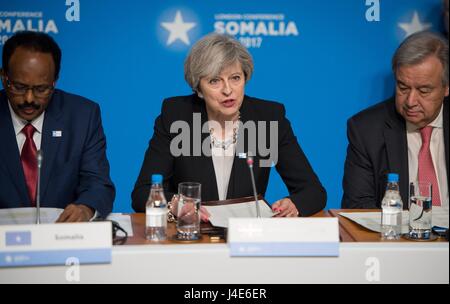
x,y
243,155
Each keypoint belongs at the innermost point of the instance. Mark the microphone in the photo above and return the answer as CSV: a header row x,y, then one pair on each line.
x,y
250,166
39,158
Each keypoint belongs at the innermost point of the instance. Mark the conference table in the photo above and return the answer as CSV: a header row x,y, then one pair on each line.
x,y
363,258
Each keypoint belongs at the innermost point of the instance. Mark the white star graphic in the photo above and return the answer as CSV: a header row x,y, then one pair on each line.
x,y
178,29
415,25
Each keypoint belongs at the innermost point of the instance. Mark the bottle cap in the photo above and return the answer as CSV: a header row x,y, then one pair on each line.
x,y
392,178
157,179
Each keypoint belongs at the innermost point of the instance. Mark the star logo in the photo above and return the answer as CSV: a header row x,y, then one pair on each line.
x,y
415,25
178,29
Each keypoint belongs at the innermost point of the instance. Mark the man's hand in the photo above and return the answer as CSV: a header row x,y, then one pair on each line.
x,y
76,213
285,207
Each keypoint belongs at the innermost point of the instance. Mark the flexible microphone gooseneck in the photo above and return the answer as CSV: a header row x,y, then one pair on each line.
x,y
250,166
39,158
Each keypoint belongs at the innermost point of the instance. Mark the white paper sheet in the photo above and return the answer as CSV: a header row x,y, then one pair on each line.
x,y
26,216
124,221
372,220
219,215
440,217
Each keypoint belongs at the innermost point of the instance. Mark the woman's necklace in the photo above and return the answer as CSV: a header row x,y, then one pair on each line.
x,y
226,143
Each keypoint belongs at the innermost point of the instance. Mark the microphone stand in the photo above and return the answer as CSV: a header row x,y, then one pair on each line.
x,y
39,158
250,166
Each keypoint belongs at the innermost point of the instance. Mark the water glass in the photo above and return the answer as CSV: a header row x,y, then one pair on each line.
x,y
188,212
420,207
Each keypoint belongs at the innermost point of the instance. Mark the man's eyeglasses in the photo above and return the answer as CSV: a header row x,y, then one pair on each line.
x,y
40,91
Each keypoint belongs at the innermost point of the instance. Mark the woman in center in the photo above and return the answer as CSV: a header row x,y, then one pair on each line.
x,y
207,136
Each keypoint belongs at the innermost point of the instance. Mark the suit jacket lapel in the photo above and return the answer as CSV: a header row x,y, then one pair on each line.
x,y
397,149
9,153
50,140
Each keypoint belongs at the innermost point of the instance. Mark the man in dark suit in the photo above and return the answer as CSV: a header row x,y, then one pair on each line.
x,y
407,134
66,128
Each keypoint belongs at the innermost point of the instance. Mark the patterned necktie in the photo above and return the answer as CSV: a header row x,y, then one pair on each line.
x,y
29,162
426,167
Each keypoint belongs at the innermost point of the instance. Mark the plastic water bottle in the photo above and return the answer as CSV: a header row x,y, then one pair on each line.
x,y
156,211
392,206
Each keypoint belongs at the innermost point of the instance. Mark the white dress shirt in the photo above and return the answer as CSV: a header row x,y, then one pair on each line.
x,y
19,124
223,163
437,148
223,159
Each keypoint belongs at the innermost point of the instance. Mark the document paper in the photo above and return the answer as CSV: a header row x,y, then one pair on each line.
x,y
219,215
372,220
27,216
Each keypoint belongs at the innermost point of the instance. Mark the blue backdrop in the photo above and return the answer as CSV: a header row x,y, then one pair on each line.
x,y
325,60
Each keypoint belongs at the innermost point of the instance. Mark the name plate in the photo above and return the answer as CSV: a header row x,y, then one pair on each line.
x,y
55,244
283,237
